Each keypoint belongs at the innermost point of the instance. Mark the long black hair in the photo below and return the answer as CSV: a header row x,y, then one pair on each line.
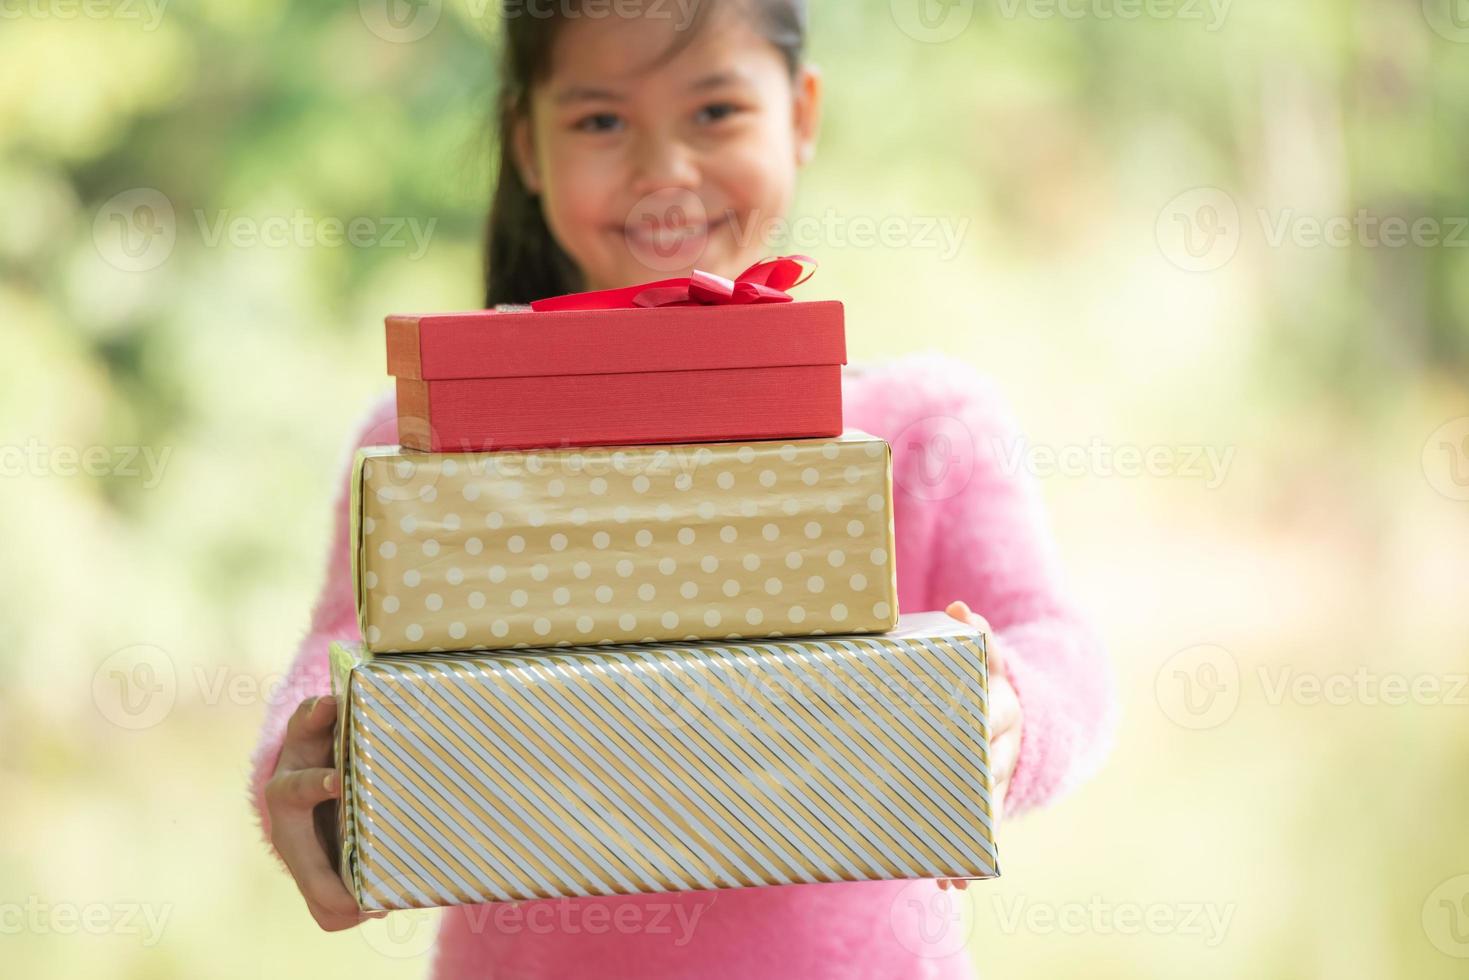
x,y
523,261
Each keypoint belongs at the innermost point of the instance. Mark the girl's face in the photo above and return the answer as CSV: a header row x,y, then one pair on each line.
x,y
649,165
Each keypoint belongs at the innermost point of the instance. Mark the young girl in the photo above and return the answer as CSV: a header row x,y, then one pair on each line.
x,y
635,145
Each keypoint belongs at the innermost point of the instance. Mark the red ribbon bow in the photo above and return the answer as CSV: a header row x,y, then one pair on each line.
x,y
763,282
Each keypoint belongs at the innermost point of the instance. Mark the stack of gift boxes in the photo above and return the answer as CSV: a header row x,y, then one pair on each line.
x,y
628,600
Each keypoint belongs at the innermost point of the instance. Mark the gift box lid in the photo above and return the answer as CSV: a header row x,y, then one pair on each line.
x,y
347,657
509,344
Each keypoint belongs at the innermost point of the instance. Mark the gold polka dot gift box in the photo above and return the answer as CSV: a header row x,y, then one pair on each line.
x,y
499,550
597,770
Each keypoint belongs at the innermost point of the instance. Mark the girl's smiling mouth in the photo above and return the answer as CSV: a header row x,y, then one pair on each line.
x,y
645,235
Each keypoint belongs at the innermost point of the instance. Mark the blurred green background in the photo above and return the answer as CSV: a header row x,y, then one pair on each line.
x,y
1185,232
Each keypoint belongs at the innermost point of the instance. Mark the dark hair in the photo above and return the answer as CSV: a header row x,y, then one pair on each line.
x,y
523,261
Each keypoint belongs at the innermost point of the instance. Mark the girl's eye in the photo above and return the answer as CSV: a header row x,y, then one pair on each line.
x,y
599,122
717,112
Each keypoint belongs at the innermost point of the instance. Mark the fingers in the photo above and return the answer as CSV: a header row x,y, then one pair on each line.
x,y
308,740
1004,705
960,610
1004,754
331,905
300,789
293,798
995,658
1005,715
302,782
960,883
1006,726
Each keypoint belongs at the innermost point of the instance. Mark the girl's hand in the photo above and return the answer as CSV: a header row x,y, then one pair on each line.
x,y
304,779
1006,721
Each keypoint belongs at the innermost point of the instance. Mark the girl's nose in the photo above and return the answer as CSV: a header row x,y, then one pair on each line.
x,y
663,163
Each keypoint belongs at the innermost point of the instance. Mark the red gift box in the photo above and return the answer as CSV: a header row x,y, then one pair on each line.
x,y
701,359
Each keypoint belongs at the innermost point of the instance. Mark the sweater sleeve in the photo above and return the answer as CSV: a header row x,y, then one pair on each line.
x,y
989,545
334,618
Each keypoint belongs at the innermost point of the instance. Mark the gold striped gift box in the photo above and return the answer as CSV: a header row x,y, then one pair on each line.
x,y
574,771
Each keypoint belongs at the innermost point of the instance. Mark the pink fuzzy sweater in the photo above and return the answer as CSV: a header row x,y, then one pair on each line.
x,y
966,529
